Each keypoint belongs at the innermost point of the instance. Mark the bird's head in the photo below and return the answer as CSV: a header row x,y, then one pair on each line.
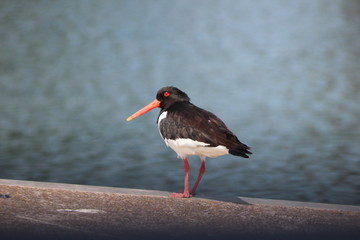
x,y
165,97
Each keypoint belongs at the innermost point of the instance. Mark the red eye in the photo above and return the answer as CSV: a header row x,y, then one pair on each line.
x,y
166,94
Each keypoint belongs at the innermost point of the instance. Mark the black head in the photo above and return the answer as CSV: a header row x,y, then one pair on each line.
x,y
165,97
170,95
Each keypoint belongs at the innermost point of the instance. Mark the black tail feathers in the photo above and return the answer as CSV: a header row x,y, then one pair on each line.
x,y
241,151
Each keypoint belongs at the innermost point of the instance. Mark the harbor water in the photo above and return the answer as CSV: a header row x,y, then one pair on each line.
x,y
283,75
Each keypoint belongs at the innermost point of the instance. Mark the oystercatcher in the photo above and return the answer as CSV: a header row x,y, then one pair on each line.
x,y
190,130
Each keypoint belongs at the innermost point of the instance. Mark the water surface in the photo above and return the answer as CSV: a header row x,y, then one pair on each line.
x,y
283,75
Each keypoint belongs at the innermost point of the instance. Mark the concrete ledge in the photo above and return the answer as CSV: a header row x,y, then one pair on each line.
x,y
62,211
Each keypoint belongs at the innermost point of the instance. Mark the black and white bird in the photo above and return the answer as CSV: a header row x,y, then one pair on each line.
x,y
190,130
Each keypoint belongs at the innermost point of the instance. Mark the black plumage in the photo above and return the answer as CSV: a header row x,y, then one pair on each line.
x,y
185,120
190,130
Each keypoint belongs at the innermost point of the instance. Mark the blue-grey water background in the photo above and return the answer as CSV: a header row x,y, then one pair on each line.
x,y
283,75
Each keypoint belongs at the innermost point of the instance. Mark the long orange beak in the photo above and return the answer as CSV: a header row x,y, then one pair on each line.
x,y
150,106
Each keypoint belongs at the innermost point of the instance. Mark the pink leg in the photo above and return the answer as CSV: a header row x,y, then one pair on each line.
x,y
201,173
186,193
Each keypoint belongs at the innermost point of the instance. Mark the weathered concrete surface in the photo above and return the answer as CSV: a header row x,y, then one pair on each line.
x,y
33,210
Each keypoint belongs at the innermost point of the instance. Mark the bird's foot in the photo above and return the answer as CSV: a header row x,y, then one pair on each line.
x,y
180,195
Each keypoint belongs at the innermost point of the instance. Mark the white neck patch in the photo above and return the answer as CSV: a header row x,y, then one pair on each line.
x,y
161,117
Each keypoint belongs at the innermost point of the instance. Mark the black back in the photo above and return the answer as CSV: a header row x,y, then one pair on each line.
x,y
185,120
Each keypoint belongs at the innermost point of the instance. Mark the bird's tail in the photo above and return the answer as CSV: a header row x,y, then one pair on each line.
x,y
242,151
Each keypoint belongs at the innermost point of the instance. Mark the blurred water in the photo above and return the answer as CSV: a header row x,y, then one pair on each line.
x,y
283,75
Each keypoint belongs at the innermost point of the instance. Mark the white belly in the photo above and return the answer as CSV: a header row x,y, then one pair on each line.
x,y
185,147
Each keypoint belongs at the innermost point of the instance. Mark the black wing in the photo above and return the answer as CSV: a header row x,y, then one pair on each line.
x,y
185,120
